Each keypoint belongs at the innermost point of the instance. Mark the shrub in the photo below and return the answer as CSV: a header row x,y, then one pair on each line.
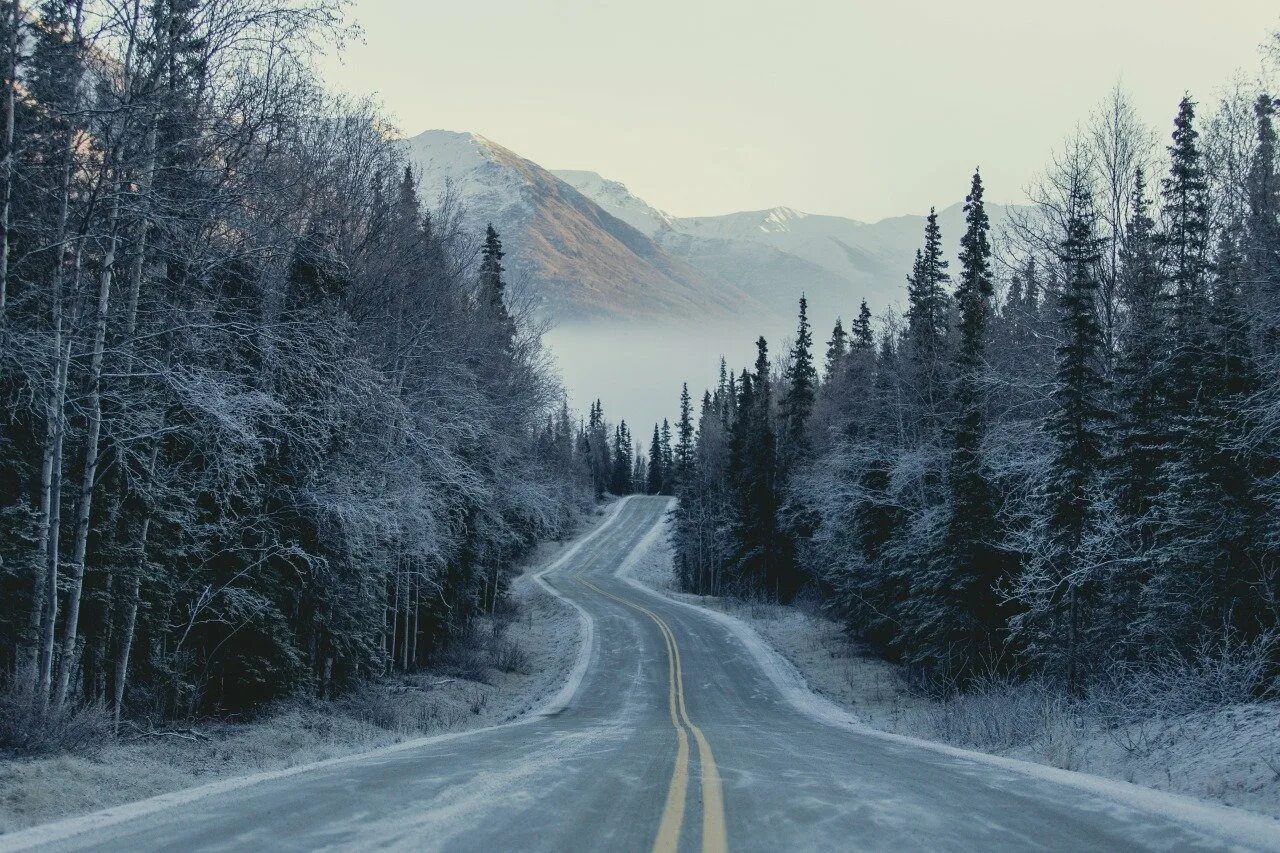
x,y
1221,670
508,655
28,729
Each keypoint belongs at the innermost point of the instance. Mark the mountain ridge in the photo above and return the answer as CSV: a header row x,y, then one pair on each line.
x,y
583,261
590,249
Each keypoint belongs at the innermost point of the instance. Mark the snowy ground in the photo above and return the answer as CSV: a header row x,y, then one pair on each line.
x,y
1231,756
485,683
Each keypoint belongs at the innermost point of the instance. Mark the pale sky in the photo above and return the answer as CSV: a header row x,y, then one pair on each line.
x,y
849,107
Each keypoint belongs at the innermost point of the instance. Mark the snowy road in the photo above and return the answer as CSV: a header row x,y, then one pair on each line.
x,y
676,736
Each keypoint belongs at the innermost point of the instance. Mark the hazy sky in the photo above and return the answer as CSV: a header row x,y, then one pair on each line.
x,y
864,109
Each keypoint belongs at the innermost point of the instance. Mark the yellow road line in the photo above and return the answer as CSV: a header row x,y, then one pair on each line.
x,y
668,838
714,833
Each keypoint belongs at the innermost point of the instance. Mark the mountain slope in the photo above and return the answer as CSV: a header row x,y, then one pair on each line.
x,y
776,254
579,261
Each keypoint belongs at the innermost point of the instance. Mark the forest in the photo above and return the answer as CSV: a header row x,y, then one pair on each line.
x,y
268,425
1063,458
271,425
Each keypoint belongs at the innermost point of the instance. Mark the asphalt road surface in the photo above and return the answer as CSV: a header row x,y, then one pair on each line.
x,y
675,738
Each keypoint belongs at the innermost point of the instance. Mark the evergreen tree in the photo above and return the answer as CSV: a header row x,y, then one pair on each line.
x,y
639,470
684,451
1262,228
837,346
598,454
754,549
654,486
963,584
861,336
1186,239
928,313
1185,589
620,480
802,380
1077,425
492,286
1142,441
668,459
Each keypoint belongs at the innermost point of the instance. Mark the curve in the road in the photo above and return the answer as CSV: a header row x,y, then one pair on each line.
x,y
594,770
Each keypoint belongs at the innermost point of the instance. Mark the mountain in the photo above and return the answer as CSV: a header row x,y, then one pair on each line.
x,y
579,261
614,197
776,254
588,249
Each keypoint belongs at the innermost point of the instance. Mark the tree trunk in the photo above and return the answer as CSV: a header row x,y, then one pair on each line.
x,y
131,605
417,606
395,618
53,516
44,598
6,165
126,645
89,469
408,598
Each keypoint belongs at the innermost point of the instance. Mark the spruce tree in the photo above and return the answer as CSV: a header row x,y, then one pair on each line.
x,y
969,619
861,337
928,311
654,486
802,380
837,346
684,451
493,287
1184,590
927,302
639,470
1077,426
622,468
1186,239
1141,433
754,548
599,457
668,459
740,479
1262,228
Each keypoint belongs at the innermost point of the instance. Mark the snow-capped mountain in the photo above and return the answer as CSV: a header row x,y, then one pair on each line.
x,y
588,248
778,253
614,197
578,261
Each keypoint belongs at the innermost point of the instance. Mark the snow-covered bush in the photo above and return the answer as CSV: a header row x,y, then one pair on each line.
x,y
1219,672
999,714
28,728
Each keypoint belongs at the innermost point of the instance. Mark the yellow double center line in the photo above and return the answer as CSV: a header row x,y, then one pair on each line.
x,y
714,836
